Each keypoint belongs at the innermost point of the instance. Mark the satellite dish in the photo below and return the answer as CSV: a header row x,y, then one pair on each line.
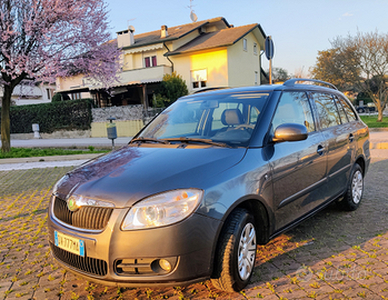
x,y
131,28
193,16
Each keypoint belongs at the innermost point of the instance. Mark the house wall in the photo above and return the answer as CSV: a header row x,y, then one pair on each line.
x,y
215,62
68,83
134,61
25,94
243,64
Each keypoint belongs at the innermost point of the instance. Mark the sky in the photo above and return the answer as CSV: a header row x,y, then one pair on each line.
x,y
299,28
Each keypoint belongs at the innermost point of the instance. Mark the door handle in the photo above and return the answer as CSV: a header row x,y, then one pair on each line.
x,y
320,150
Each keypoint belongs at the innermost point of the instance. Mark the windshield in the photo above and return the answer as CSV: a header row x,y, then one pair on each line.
x,y
225,118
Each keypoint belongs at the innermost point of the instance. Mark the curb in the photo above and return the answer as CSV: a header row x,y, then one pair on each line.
x,y
49,158
379,145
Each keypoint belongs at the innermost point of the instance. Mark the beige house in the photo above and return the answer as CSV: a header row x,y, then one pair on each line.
x,y
207,54
26,93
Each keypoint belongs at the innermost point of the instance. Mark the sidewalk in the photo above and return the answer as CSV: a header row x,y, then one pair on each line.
x,y
71,143
61,160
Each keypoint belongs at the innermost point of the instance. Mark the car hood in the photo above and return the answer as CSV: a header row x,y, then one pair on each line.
x,y
132,173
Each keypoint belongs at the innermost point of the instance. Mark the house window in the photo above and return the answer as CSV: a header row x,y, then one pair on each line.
x,y
199,79
245,44
150,61
48,94
75,96
255,48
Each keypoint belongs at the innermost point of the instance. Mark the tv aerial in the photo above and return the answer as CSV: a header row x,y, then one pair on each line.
x,y
130,27
193,16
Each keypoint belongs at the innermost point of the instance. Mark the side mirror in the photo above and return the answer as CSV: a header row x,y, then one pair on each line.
x,y
290,132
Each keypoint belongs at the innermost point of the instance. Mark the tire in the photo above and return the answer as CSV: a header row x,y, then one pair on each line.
x,y
360,110
236,252
353,195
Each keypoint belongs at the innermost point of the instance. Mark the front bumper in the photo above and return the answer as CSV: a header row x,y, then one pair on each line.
x,y
188,245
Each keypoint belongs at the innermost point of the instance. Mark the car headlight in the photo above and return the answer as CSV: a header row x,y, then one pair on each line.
x,y
75,202
162,209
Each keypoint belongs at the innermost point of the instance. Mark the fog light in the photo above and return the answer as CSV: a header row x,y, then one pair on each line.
x,y
165,265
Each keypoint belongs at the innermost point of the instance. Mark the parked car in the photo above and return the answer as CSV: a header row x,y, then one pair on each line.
x,y
215,174
369,107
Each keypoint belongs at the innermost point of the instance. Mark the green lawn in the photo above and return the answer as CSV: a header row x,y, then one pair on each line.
x,y
371,121
28,152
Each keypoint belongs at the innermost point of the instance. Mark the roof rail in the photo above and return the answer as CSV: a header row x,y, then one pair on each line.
x,y
292,81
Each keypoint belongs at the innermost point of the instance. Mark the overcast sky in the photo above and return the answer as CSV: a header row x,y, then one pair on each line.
x,y
299,28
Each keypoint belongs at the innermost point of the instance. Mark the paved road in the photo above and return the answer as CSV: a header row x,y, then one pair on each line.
x,y
70,143
375,138
379,140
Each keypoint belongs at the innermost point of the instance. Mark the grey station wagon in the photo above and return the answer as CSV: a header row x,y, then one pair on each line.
x,y
215,174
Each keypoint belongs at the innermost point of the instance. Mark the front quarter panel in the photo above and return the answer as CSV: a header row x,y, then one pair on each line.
x,y
248,180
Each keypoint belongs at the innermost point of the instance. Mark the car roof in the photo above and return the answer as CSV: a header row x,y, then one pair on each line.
x,y
292,84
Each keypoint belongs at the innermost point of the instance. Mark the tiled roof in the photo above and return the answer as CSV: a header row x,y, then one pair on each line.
x,y
224,37
174,33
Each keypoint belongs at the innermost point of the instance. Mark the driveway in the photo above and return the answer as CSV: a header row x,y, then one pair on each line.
x,y
333,255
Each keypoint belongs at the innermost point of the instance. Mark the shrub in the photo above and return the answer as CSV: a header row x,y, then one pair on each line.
x,y
172,87
64,115
58,97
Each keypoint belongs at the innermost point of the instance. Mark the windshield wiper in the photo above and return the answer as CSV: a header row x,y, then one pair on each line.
x,y
196,140
145,140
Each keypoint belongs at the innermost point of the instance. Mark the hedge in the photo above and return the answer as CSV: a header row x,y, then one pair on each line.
x,y
65,115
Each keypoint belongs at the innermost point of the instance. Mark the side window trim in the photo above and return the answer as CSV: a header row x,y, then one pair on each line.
x,y
340,108
349,107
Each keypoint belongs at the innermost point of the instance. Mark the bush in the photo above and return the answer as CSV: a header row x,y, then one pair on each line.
x,y
172,87
58,97
64,115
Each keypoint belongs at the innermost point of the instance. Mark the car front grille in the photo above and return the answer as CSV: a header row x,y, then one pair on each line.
x,y
86,264
87,217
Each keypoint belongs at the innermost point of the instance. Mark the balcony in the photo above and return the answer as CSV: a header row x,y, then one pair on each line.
x,y
144,75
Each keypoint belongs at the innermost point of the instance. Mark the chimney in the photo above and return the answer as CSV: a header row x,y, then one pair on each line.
x,y
125,38
164,32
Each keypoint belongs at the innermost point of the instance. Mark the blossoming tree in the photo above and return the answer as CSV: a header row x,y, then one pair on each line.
x,y
43,39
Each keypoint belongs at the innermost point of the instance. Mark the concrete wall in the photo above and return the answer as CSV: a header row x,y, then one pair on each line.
x,y
129,120
124,128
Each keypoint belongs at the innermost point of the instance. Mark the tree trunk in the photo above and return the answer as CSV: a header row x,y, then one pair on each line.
x,y
5,120
380,115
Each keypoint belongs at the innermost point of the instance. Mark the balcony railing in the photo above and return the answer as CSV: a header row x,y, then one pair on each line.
x,y
144,75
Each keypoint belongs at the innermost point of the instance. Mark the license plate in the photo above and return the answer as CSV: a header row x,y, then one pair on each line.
x,y
69,243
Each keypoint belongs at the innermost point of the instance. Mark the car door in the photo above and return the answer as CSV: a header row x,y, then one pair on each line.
x,y
335,127
298,168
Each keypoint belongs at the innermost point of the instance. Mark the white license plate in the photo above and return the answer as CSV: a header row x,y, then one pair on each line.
x,y
69,243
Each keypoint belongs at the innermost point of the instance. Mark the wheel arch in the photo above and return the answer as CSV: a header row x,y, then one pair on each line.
x,y
261,215
361,162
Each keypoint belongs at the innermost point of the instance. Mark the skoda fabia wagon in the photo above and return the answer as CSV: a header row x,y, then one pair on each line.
x,y
211,177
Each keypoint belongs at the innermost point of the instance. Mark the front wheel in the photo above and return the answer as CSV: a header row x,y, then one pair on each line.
x,y
236,252
355,190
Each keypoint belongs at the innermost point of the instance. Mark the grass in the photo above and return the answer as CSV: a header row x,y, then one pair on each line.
x,y
32,152
371,121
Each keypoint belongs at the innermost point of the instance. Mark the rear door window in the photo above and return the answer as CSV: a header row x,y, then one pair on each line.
x,y
327,110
